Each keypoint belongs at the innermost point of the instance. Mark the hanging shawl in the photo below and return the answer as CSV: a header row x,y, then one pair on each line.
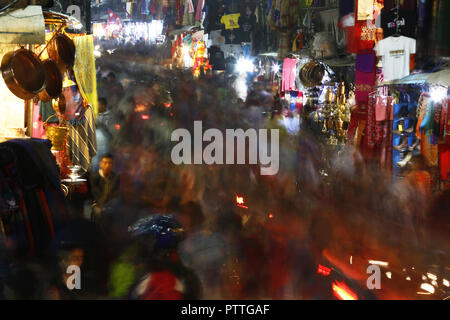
x,y
82,141
198,14
84,69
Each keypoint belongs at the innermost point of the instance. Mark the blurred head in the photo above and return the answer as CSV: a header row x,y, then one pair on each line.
x,y
111,77
73,257
106,164
102,105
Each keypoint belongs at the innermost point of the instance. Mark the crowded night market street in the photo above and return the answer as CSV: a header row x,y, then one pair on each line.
x,y
224,150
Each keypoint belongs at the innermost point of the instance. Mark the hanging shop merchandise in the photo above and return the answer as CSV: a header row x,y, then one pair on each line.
x,y
189,51
400,21
396,54
60,103
32,207
283,16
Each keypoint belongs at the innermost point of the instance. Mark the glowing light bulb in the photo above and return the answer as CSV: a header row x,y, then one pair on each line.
x,y
276,68
244,65
438,93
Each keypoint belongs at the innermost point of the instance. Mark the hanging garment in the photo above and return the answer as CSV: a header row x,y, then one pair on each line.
x,y
442,124
365,36
444,158
381,90
129,9
365,62
38,125
145,8
288,14
273,15
446,125
364,9
379,133
347,23
84,70
288,75
188,15
364,83
395,53
81,141
179,12
198,12
442,28
231,21
285,45
357,126
404,22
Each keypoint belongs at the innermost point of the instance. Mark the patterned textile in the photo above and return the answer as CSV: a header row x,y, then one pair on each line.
x,y
84,69
429,151
379,78
284,47
289,14
364,85
82,141
365,35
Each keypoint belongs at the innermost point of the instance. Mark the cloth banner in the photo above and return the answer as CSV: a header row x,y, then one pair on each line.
x,y
84,70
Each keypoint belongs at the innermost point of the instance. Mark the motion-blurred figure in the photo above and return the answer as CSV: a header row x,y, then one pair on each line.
x,y
166,277
105,186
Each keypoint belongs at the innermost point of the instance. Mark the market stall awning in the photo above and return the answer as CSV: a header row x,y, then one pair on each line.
x,y
441,78
22,26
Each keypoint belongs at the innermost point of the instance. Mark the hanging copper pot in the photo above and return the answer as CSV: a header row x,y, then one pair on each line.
x,y
24,73
61,49
53,87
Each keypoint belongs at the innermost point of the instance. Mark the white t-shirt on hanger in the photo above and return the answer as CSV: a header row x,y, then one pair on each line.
x,y
395,52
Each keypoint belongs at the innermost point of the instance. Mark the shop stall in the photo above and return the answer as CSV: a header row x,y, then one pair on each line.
x,y
427,122
49,88
32,206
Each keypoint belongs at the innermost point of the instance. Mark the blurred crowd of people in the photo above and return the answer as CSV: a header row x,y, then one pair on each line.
x,y
162,231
